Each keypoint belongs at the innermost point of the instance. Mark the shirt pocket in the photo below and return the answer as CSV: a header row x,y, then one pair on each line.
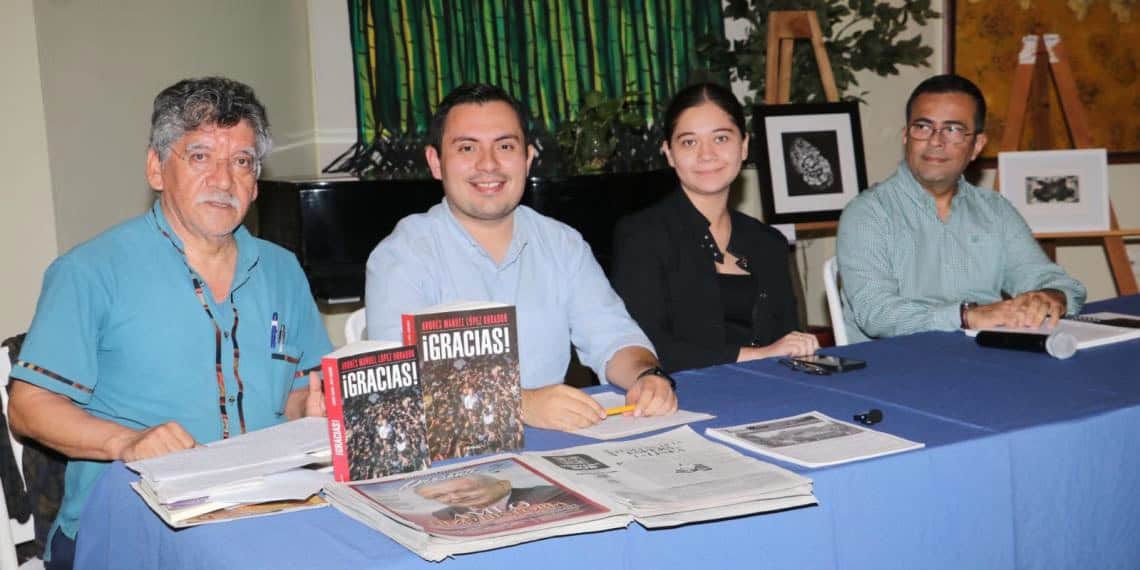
x,y
284,366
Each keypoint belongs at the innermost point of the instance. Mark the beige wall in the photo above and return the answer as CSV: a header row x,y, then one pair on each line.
x,y
882,120
103,62
27,223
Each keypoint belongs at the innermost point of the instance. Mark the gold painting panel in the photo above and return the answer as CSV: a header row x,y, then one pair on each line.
x,y
1102,42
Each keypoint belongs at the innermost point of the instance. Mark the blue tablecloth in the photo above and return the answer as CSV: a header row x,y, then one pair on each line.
x,y
1031,462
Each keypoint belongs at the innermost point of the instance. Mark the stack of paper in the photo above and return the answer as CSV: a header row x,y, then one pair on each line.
x,y
258,473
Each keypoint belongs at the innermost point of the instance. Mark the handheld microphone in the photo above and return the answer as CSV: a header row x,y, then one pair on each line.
x,y
1059,345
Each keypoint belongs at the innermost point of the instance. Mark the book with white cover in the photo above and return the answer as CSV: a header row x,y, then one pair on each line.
x,y
1091,330
812,440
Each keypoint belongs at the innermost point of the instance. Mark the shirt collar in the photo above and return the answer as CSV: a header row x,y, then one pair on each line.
x,y
918,193
698,225
248,252
519,238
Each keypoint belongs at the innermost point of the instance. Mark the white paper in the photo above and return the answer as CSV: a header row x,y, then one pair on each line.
x,y
812,440
617,426
1087,334
270,445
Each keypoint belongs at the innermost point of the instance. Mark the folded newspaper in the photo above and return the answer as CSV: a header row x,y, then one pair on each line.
x,y
277,469
812,440
664,480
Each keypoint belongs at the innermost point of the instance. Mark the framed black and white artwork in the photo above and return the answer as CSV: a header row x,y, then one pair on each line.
x,y
1057,190
809,158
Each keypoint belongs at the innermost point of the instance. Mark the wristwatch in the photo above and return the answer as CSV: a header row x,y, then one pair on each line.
x,y
657,371
962,310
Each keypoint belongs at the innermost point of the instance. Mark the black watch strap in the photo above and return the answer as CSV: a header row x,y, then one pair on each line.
x,y
658,371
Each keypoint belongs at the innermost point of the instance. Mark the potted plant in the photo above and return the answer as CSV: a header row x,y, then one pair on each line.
x,y
589,140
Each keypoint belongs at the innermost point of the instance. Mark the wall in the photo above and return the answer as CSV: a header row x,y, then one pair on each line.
x,y
102,63
27,222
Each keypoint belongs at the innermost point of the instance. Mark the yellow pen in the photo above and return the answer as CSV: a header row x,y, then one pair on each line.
x,y
620,410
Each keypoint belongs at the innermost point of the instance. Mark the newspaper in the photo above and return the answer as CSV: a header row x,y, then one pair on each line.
x,y
812,440
617,426
674,474
663,480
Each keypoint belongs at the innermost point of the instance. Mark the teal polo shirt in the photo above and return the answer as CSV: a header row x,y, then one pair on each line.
x,y
121,330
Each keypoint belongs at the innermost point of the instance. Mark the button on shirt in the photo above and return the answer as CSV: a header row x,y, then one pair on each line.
x,y
120,331
904,270
560,294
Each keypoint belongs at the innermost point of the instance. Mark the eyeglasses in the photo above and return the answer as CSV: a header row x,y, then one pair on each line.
x,y
952,133
242,163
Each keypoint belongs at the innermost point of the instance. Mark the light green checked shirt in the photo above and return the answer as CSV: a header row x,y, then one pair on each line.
x,y
903,270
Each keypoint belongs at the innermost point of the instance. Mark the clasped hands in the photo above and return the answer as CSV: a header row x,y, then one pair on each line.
x,y
1027,310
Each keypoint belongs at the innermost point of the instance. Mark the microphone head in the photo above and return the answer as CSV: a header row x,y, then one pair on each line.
x,y
1061,345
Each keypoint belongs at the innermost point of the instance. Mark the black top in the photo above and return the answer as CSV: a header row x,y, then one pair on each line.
x,y
664,270
738,295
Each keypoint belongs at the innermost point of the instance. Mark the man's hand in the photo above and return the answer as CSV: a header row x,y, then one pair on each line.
x,y
652,395
793,344
560,407
1027,310
315,399
307,402
161,439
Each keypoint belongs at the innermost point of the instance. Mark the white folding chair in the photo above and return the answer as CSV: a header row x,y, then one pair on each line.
x,y
354,327
834,304
11,532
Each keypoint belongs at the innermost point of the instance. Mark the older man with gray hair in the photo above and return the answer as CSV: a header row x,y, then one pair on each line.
x,y
134,348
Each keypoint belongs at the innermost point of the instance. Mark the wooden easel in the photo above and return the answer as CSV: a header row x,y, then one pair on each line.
x,y
1058,66
784,28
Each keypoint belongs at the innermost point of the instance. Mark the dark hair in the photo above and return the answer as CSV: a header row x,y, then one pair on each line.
x,y
950,83
193,103
697,94
479,94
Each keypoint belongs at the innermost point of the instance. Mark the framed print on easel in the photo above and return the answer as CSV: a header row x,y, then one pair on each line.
x,y
809,158
1057,190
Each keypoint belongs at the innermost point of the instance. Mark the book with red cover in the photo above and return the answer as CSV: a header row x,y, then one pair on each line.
x,y
469,366
374,402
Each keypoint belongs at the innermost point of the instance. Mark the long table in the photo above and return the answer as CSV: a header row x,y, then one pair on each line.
x,y
1030,462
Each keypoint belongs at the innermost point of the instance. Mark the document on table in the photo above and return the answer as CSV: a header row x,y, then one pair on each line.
x,y
617,426
812,440
189,473
1091,330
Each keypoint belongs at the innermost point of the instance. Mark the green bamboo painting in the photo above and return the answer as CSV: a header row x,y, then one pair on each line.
x,y
550,54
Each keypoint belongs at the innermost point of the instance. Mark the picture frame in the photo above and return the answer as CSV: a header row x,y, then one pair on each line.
x,y
1057,190
809,157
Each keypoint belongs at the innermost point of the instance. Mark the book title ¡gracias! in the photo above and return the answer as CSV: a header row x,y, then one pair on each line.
x,y
465,343
379,379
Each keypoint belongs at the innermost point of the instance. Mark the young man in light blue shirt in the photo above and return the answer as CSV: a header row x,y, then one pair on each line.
x,y
480,244
926,250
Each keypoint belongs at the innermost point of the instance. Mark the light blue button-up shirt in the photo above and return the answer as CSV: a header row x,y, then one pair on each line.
x,y
560,294
904,270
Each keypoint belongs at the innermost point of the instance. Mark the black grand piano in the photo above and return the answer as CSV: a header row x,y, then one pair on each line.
x,y
333,224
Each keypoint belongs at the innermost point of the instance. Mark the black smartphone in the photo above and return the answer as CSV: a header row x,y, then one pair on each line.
x,y
831,363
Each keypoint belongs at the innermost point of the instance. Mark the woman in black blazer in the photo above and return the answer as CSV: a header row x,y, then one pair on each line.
x,y
709,285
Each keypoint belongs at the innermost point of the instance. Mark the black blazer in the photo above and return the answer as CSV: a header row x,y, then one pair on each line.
x,y
669,281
